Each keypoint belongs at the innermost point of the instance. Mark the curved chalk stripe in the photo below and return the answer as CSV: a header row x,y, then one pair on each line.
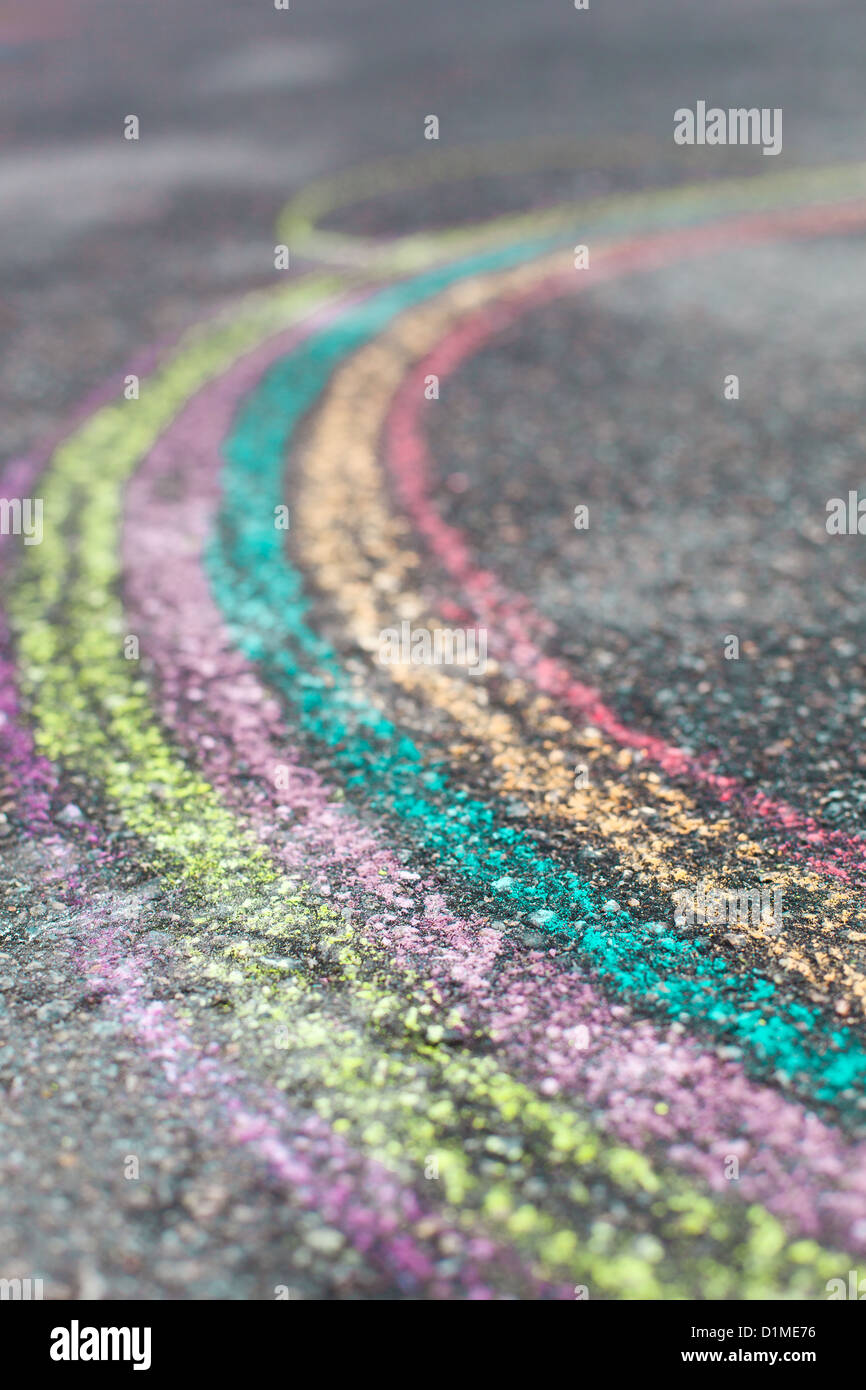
x,y
261,596
299,223
380,1216
211,700
506,616
322,1171
355,550
113,709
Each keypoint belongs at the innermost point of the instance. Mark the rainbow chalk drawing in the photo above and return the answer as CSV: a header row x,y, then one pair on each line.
x,y
461,1104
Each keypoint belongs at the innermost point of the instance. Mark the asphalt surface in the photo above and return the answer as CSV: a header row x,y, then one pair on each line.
x,y
322,1035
